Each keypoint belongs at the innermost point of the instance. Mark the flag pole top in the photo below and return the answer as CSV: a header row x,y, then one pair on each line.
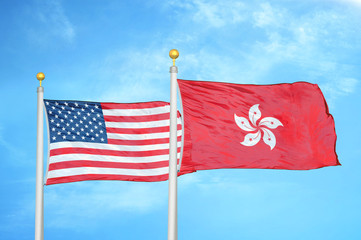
x,y
173,54
40,76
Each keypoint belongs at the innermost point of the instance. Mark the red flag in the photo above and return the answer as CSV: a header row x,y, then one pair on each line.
x,y
281,126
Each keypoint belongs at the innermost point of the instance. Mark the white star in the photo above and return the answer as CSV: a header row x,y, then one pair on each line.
x,y
76,104
96,127
101,131
63,129
91,130
83,137
78,113
54,138
66,116
88,114
86,126
102,139
81,121
53,129
65,103
67,124
72,108
75,117
47,103
68,133
96,106
64,137
62,107
92,139
90,123
92,110
86,105
76,125
53,107
56,103
87,134
56,116
72,129
50,112
82,129
78,133
94,119
97,135
61,120
52,120
84,118
82,109
59,112
58,124
73,136
71,120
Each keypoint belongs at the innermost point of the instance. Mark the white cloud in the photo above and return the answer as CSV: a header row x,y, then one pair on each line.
x,y
219,13
134,75
213,13
353,2
348,85
52,14
53,22
338,87
268,16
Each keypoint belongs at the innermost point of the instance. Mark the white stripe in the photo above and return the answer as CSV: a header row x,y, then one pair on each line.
x,y
102,146
102,158
150,124
141,136
112,171
136,112
161,123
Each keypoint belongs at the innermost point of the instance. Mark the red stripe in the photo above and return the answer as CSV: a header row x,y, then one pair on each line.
x,y
60,151
147,118
141,130
100,164
85,177
141,142
133,105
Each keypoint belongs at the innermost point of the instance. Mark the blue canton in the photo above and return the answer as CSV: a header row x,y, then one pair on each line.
x,y
75,121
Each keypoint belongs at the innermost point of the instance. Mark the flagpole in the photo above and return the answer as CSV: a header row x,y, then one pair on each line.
x,y
172,189
39,194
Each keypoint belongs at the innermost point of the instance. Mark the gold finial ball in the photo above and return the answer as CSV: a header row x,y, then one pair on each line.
x,y
173,54
40,76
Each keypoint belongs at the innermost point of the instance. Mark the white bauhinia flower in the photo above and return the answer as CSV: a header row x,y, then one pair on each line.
x,y
252,139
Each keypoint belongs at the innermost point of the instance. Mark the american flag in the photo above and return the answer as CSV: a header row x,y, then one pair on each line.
x,y
108,141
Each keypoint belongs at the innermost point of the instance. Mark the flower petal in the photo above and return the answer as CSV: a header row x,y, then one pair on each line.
x,y
243,123
254,114
270,122
269,138
251,139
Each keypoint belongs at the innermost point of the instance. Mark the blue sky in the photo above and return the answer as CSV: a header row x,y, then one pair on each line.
x,y
118,51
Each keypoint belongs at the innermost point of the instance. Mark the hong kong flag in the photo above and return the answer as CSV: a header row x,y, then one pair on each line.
x,y
281,126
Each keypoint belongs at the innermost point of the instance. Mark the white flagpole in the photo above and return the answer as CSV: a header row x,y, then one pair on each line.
x,y
39,197
172,189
